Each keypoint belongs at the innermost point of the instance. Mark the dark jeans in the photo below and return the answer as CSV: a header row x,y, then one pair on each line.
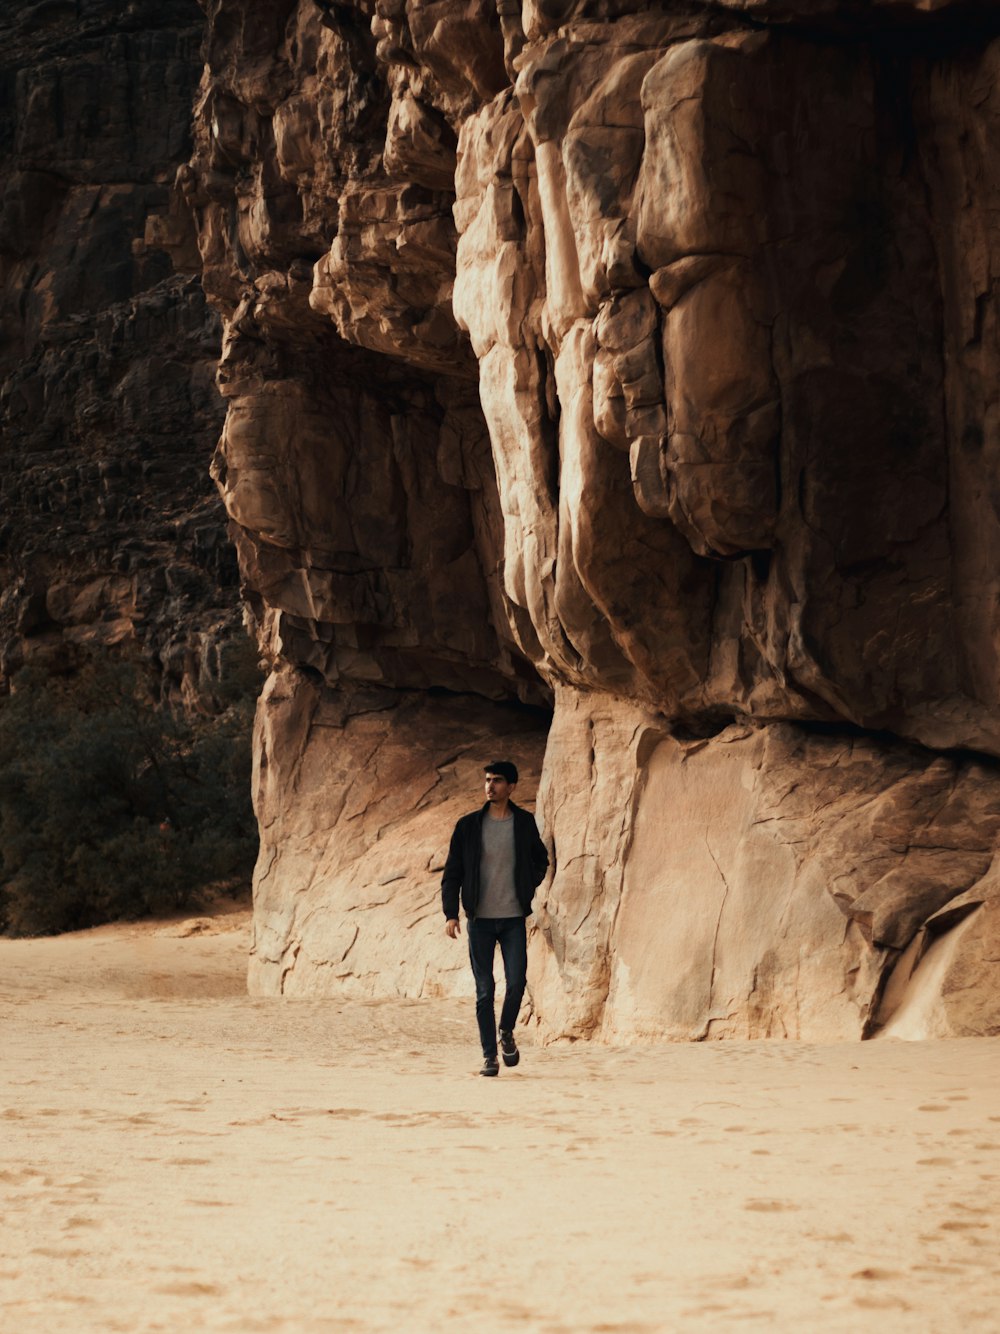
x,y
484,935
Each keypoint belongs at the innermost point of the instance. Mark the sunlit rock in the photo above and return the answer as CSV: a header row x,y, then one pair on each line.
x,y
636,367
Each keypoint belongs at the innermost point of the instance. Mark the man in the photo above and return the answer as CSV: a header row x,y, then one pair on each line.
x,y
495,863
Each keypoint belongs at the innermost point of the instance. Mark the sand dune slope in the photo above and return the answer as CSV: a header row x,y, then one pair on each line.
x,y
176,1156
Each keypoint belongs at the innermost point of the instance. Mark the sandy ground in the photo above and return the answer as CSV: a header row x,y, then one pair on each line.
x,y
175,1156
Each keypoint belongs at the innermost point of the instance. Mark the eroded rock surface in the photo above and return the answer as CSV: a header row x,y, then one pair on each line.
x,y
640,364
357,791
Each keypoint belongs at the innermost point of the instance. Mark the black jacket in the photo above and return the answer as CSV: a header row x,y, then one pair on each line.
x,y
461,870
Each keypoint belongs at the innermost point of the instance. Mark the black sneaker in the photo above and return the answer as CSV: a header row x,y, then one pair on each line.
x,y
491,1066
508,1047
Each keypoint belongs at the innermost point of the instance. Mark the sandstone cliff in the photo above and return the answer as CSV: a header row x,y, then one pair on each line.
x,y
633,367
111,537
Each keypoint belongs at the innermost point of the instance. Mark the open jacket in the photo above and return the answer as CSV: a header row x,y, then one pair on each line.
x,y
461,870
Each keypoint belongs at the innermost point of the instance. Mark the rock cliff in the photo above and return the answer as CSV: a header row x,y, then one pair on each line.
x,y
614,386
110,534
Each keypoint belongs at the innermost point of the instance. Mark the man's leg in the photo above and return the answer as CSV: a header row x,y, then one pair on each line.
x,y
482,946
513,936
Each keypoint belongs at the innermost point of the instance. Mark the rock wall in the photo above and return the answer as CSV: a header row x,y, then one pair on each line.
x,y
637,364
111,537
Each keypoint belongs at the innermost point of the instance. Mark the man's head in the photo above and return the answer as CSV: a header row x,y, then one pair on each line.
x,y
501,776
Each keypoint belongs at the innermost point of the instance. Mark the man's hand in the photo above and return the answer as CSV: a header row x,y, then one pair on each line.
x,y
453,928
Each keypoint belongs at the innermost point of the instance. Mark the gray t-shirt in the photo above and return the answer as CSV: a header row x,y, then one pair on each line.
x,y
497,897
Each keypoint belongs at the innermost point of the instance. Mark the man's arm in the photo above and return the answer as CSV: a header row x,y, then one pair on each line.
x,y
451,882
531,851
539,857
536,850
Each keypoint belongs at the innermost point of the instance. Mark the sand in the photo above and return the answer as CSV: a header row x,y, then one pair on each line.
x,y
176,1156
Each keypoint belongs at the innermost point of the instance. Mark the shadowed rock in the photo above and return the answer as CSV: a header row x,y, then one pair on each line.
x,y
111,536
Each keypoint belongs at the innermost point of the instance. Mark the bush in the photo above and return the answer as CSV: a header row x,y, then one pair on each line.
x,y
113,807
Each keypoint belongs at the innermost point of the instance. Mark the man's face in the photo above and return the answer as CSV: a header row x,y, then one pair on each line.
x,y
497,788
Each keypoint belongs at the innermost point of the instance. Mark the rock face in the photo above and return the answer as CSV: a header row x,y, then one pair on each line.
x,y
359,790
639,365
110,534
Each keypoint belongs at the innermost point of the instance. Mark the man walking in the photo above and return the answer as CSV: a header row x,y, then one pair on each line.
x,y
495,863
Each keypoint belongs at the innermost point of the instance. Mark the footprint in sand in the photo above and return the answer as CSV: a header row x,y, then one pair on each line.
x,y
20,1176
190,1290
880,1303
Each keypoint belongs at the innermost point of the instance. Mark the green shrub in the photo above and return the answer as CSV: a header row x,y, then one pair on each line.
x,y
113,807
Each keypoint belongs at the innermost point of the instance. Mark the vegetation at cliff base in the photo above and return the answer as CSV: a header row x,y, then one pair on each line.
x,y
114,807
